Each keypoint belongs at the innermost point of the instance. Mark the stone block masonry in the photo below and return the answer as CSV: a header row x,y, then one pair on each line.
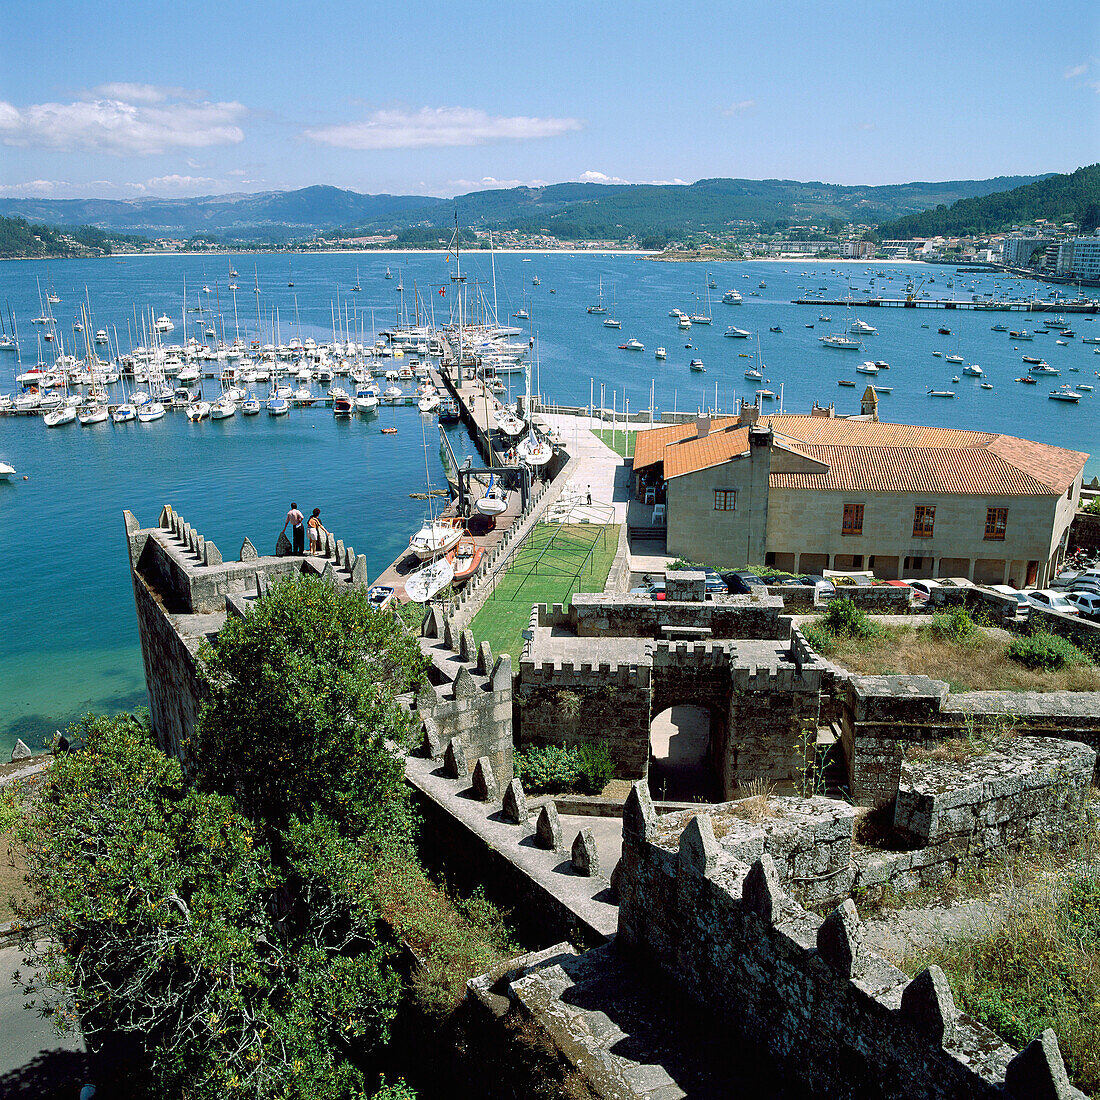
x,y
183,591
725,934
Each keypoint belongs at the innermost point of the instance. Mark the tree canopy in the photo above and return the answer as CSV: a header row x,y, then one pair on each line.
x,y
227,919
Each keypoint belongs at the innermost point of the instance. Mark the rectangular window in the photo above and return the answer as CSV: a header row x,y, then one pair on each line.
x,y
996,520
853,520
725,500
924,517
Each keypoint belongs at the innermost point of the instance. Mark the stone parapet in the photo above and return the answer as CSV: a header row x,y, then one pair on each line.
x,y
728,936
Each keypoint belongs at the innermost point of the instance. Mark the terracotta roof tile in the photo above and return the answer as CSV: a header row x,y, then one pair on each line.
x,y
868,456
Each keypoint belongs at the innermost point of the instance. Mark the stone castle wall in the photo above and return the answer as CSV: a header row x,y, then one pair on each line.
x,y
725,933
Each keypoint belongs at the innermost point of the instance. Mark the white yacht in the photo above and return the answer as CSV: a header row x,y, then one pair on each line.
x,y
862,328
150,411
732,298
736,333
840,341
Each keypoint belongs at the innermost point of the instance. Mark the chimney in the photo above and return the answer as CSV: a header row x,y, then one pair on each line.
x,y
702,426
748,414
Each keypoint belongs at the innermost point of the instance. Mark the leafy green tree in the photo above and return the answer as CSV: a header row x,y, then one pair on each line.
x,y
166,917
301,702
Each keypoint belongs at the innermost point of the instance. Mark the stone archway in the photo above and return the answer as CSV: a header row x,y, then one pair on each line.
x,y
681,761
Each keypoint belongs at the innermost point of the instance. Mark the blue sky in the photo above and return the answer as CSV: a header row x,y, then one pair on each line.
x,y
137,99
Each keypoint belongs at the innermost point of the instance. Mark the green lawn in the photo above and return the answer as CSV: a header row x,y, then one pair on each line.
x,y
544,570
620,440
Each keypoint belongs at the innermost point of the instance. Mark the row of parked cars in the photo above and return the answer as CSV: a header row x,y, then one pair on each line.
x,y
1077,592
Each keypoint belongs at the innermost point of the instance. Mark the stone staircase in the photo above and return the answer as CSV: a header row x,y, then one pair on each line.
x,y
623,1036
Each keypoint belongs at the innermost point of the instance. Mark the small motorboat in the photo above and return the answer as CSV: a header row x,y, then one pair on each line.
x,y
379,596
7,471
632,344
1028,380
941,393
465,558
342,406
697,364
430,579
986,386
845,382
150,411
944,331
775,328
198,410
660,353
250,406
1065,394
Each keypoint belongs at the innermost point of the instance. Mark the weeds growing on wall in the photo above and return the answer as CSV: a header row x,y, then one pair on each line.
x,y
1037,968
953,625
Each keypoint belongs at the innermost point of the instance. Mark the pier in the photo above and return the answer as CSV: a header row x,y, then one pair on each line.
x,y
940,303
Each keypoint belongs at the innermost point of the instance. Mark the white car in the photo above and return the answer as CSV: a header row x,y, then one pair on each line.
x,y
1087,604
922,589
1047,599
1089,581
1021,599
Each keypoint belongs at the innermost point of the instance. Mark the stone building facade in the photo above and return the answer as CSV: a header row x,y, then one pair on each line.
x,y
807,493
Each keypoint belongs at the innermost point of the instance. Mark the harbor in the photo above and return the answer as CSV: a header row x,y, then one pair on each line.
x,y
241,472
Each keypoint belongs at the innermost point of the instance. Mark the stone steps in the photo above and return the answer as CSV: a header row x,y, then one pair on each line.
x,y
614,1029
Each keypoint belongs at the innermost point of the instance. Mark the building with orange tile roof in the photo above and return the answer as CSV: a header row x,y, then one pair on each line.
x,y
805,493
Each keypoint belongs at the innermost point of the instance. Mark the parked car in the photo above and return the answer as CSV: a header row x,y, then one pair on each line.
x,y
957,582
1022,604
1089,581
822,585
654,589
742,582
1087,604
715,584
922,589
1048,600
898,584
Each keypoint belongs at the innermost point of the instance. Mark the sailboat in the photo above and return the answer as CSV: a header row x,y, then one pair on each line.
x,y
429,580
704,317
357,287
290,273
436,536
495,500
599,307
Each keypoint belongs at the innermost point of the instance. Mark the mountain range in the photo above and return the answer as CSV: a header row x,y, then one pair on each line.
x,y
565,210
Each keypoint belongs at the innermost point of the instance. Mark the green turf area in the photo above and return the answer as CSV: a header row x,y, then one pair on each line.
x,y
548,568
621,441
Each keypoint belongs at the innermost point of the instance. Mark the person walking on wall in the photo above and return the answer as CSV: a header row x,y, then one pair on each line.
x,y
316,530
296,521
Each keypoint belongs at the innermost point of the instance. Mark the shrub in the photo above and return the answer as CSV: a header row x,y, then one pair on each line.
x,y
554,769
595,766
819,638
1093,507
844,619
1047,652
954,625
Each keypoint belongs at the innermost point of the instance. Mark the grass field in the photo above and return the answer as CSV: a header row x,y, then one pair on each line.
x,y
979,665
620,441
544,570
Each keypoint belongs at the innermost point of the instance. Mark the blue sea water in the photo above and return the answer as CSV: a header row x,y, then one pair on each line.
x,y
68,637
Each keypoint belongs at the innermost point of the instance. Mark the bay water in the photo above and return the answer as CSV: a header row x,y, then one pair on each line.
x,y
68,634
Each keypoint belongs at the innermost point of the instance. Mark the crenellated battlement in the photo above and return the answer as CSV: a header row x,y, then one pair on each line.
x,y
716,917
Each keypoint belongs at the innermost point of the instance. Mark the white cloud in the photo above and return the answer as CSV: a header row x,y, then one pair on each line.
x,y
491,183
437,127
1077,70
603,177
177,183
867,126
134,127
739,107
32,189
599,177
141,93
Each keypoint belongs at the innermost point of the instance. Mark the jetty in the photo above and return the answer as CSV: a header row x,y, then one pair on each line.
x,y
1087,306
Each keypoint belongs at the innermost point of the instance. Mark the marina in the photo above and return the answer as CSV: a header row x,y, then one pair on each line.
x,y
366,469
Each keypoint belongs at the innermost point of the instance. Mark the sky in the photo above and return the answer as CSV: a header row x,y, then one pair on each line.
x,y
151,99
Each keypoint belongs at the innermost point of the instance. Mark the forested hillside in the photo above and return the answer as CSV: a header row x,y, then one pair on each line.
x,y
1073,197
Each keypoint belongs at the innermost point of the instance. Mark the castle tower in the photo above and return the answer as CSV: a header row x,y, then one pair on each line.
x,y
868,404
